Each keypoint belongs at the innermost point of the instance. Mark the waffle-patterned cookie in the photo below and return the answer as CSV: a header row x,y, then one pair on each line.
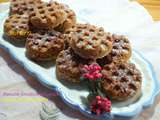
x,y
89,41
122,81
16,27
70,20
22,6
47,15
44,45
121,51
68,66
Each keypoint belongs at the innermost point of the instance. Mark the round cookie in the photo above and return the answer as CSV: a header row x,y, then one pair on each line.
x,y
121,51
69,22
44,45
46,15
22,6
89,41
16,27
68,66
122,81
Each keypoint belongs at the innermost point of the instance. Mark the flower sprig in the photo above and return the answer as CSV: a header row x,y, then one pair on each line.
x,y
91,75
100,105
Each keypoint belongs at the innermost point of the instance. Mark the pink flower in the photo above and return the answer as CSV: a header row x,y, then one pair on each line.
x,y
100,105
92,72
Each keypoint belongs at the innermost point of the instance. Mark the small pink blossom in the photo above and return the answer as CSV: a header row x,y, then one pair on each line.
x,y
92,72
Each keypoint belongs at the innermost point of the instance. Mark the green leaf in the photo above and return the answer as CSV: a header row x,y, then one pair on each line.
x,y
100,93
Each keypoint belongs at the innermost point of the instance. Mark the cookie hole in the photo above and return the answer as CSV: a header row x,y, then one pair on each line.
x,y
39,37
91,30
24,4
33,14
13,26
25,8
42,12
51,33
18,17
36,43
115,47
117,87
50,9
117,40
43,17
100,34
122,66
15,5
138,78
107,68
49,5
132,86
48,39
40,7
116,73
15,21
78,30
30,36
94,38
22,26
130,73
114,53
31,2
109,81
7,21
42,33
24,22
30,9
126,48
124,79
86,34
53,14
81,39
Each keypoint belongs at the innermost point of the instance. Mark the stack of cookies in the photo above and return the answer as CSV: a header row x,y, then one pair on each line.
x,y
89,44
50,31
40,26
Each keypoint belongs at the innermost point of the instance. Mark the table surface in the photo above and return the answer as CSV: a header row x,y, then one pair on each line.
x,y
153,7
27,84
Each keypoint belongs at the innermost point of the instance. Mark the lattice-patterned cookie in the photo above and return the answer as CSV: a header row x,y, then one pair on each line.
x,y
68,66
89,41
44,45
22,6
47,16
121,51
122,81
16,27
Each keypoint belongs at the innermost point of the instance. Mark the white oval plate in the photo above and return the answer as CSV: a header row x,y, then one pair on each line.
x,y
72,95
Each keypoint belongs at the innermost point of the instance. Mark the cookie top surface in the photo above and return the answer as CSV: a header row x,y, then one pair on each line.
x,y
69,60
69,64
22,6
121,51
47,15
16,25
90,41
121,81
46,39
